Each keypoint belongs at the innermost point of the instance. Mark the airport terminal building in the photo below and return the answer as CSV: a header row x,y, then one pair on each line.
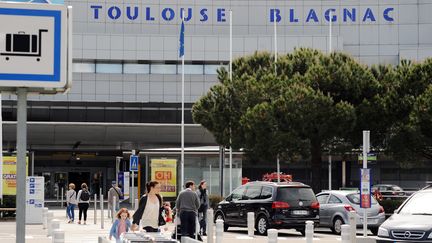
x,y
126,90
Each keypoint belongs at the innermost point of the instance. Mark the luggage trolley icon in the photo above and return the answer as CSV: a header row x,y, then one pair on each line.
x,y
25,45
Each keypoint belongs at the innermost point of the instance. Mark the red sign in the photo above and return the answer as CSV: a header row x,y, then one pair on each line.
x,y
163,175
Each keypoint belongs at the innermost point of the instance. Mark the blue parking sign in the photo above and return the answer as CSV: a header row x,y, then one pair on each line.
x,y
133,163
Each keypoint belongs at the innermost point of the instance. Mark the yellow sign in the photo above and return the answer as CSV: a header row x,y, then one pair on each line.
x,y
9,174
165,172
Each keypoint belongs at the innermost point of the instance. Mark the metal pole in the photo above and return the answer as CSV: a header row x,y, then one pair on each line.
x,y
365,152
117,168
21,165
309,231
210,225
113,206
1,149
330,172
231,74
132,193
95,208
330,32
210,182
102,210
275,40
182,120
344,173
221,169
278,168
61,202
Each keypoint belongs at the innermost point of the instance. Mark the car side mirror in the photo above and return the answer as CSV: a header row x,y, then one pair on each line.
x,y
228,199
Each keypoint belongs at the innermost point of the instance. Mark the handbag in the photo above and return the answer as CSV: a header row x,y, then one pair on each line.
x,y
161,219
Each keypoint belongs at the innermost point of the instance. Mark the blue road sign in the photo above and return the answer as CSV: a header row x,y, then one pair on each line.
x,y
133,163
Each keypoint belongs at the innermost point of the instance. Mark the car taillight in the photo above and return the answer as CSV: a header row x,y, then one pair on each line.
x,y
315,205
280,205
349,208
381,209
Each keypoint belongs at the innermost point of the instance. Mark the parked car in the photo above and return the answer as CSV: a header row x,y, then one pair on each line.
x,y
276,205
387,190
335,206
411,222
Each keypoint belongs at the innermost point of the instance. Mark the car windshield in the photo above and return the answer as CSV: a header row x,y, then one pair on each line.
x,y
355,198
419,204
287,194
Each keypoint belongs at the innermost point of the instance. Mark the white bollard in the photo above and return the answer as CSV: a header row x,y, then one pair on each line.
x,y
251,223
102,210
113,208
55,224
210,225
95,209
197,227
352,220
345,235
50,217
272,235
58,236
44,218
309,231
219,230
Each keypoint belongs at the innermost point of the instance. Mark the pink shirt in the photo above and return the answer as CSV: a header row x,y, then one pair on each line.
x,y
121,227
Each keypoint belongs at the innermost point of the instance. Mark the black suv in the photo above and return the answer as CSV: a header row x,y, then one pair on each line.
x,y
285,205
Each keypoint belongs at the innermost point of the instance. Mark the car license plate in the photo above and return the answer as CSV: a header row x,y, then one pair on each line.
x,y
300,212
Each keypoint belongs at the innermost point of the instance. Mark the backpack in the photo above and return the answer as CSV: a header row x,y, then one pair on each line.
x,y
85,196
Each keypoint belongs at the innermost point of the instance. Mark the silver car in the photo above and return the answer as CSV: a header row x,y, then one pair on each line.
x,y
335,206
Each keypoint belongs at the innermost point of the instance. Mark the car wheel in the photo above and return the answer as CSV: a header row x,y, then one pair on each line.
x,y
220,216
374,230
262,225
337,225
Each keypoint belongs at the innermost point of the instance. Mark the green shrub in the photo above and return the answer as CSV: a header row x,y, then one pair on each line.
x,y
214,200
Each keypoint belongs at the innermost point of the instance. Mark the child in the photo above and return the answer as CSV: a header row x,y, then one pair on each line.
x,y
167,212
121,225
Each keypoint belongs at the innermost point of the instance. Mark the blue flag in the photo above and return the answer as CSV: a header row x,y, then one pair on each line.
x,y
181,49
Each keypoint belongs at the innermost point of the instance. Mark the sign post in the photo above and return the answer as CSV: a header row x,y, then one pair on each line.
x,y
133,167
365,195
35,56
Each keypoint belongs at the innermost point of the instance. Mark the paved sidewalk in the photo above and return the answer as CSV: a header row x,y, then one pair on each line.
x,y
75,233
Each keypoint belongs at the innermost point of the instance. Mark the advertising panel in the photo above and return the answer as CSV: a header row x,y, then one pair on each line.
x,y
9,174
365,195
123,182
165,172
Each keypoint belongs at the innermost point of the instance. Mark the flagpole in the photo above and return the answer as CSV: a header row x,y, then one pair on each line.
x,y
182,113
230,74
1,150
330,32
275,60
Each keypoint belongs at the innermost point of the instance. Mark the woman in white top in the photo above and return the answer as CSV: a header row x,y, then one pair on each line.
x,y
150,209
83,202
71,202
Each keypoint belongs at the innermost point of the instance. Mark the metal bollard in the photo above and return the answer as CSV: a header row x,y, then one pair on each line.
x,y
272,235
95,209
50,217
345,235
58,236
309,230
44,218
219,230
102,210
113,207
210,225
352,220
251,223
55,224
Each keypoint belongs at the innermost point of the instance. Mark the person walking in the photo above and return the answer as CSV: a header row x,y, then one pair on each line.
x,y
121,225
83,202
187,205
204,204
149,209
71,201
114,193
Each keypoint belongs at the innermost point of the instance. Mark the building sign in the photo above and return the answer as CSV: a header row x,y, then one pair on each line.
x,y
165,172
9,174
34,199
291,15
365,195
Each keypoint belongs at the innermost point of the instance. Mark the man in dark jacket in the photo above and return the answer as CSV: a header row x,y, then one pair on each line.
x,y
187,205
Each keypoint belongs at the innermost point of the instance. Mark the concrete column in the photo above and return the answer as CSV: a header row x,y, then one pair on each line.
x,y
251,223
50,217
272,236
309,230
55,224
58,236
210,225
44,218
345,235
219,230
352,220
